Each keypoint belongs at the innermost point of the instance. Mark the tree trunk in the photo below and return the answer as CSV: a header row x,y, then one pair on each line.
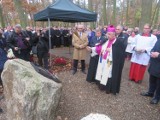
x,y
146,13
104,12
21,13
122,5
90,6
156,18
2,23
156,15
127,12
114,12
109,14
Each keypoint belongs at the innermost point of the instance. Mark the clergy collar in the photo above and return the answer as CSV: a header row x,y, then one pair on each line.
x,y
146,35
112,39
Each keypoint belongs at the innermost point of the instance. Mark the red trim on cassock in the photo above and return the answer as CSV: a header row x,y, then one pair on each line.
x,y
146,35
137,72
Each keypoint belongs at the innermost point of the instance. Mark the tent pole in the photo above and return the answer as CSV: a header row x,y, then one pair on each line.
x,y
49,33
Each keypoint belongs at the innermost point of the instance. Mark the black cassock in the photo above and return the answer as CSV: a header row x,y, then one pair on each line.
x,y
118,54
94,60
57,38
65,34
52,37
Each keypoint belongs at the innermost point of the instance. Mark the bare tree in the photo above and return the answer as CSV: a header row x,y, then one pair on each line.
x,y
104,12
146,12
1,15
21,13
114,12
90,6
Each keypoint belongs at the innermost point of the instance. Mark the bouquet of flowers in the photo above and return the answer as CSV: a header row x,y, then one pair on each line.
x,y
60,62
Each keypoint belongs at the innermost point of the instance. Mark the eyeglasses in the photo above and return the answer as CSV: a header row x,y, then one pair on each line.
x,y
117,29
80,28
146,28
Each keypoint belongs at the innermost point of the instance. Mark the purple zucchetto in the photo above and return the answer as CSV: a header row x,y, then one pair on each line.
x,y
111,28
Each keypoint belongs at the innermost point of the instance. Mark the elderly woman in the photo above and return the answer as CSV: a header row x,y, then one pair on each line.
x,y
111,60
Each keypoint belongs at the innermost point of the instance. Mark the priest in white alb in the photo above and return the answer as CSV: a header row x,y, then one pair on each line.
x,y
111,61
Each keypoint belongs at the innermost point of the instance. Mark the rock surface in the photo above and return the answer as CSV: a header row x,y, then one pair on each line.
x,y
29,95
96,117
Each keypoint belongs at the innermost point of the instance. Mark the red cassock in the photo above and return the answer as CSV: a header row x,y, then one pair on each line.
x,y
137,72
139,61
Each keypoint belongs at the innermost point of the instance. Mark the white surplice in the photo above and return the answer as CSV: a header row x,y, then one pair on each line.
x,y
146,43
104,68
131,42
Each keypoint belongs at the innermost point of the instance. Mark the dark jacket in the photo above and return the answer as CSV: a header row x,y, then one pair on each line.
x,y
30,34
57,33
12,40
158,37
123,38
95,41
43,45
3,54
118,51
154,67
6,34
91,36
65,33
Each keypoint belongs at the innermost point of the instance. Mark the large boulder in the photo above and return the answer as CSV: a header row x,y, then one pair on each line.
x,y
28,94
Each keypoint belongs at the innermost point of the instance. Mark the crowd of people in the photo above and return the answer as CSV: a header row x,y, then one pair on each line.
x,y
108,46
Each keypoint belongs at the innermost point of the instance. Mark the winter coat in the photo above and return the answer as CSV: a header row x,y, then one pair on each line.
x,y
77,41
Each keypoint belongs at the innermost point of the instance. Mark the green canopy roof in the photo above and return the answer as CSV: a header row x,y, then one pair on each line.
x,y
67,11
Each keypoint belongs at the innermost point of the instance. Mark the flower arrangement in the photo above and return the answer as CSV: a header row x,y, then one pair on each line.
x,y
60,61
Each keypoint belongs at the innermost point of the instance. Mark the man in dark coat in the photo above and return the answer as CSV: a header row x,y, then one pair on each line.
x,y
122,37
65,34
57,37
98,39
30,34
52,36
19,41
42,43
154,71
